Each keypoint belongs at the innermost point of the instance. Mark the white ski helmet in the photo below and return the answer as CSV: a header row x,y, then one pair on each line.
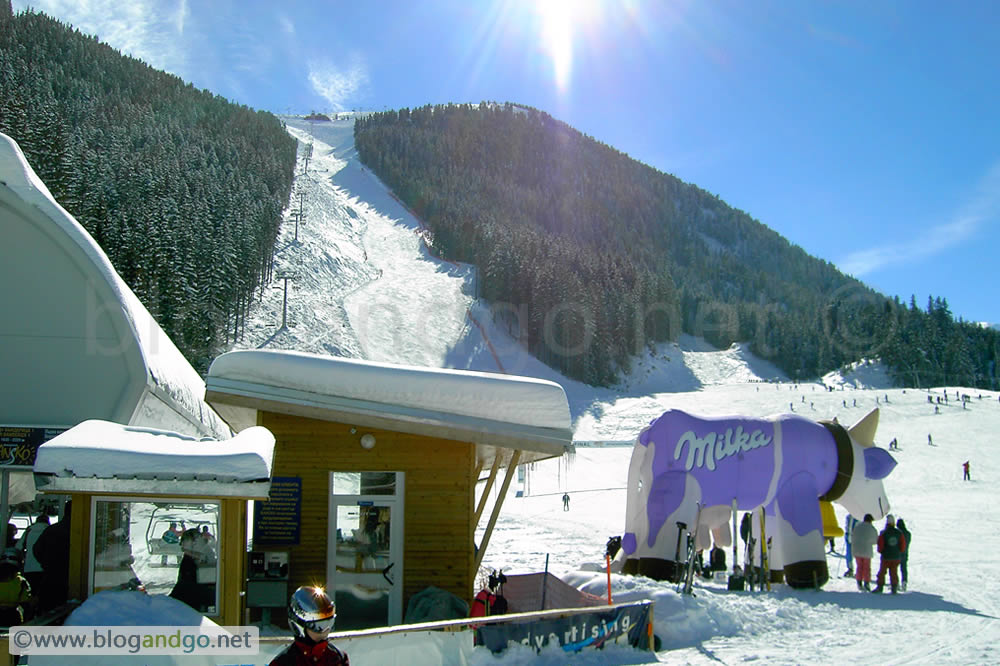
x,y
311,608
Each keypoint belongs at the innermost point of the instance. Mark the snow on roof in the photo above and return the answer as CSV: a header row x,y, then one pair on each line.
x,y
104,450
169,375
484,408
519,400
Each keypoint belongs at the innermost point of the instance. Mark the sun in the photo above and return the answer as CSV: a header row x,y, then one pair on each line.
x,y
561,23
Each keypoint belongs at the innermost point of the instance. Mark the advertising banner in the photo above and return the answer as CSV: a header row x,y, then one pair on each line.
x,y
622,624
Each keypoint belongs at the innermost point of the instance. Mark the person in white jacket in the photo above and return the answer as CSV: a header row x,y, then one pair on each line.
x,y
864,536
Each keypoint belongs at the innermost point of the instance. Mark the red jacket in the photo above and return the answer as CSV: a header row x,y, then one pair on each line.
x,y
894,548
306,653
481,604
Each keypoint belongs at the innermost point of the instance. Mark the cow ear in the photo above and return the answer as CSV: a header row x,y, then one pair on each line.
x,y
878,463
863,432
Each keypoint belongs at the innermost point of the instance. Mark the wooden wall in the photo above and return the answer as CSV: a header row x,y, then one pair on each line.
x,y
438,505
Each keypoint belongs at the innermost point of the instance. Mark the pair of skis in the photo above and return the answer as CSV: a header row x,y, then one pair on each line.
x,y
765,565
764,581
687,580
763,574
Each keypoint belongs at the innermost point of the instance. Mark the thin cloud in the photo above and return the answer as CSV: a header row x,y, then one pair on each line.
x,y
286,23
981,209
339,86
149,30
181,16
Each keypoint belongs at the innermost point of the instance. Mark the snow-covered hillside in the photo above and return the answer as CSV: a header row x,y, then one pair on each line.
x,y
366,287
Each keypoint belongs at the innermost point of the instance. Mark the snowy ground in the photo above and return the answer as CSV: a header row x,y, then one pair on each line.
x,y
951,606
366,287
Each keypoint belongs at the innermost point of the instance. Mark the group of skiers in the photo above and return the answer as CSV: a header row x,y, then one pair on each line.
x,y
893,544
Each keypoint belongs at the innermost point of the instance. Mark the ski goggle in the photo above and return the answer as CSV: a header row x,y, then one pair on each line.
x,y
323,626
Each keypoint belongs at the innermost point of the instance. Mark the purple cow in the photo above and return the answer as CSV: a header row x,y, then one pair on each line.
x,y
787,464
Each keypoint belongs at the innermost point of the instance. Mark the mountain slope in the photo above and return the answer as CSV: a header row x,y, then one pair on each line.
x,y
365,286
354,228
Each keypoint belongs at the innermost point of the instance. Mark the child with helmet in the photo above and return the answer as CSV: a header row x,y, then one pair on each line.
x,y
311,615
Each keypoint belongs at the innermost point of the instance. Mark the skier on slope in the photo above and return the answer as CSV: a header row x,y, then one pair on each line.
x,y
891,545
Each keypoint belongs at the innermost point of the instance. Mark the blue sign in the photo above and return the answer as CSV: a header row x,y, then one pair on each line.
x,y
276,522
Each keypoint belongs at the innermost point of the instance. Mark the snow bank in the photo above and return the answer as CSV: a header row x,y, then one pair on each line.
x,y
864,374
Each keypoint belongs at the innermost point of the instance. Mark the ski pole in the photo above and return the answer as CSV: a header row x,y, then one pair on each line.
x,y
608,558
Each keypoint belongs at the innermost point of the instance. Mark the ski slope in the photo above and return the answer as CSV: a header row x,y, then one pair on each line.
x,y
366,286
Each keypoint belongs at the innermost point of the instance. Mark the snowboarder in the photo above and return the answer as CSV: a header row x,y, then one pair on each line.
x,y
863,538
965,468
565,501
930,441
901,526
311,616
891,545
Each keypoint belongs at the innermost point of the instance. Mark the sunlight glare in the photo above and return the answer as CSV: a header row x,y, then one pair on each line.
x,y
560,21
556,35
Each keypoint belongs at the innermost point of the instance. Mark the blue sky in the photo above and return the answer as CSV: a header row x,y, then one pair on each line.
x,y
866,133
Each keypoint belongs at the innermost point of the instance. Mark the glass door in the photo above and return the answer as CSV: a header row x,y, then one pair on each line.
x,y
365,548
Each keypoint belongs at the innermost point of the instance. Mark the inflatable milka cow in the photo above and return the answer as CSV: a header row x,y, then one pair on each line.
x,y
787,464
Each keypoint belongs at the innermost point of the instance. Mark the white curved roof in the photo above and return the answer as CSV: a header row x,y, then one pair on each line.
x,y
477,407
75,342
99,455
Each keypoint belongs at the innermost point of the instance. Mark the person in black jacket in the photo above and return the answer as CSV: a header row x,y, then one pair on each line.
x,y
52,552
901,526
199,596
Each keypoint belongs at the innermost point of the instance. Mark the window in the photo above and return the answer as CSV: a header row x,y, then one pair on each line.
x,y
168,547
364,483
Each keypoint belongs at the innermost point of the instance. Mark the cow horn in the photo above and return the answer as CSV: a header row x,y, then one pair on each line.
x,y
863,432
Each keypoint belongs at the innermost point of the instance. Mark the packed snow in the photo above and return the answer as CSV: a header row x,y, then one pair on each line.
x,y
366,286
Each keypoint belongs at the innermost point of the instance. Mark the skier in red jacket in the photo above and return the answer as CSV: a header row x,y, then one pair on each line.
x,y
311,615
892,545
